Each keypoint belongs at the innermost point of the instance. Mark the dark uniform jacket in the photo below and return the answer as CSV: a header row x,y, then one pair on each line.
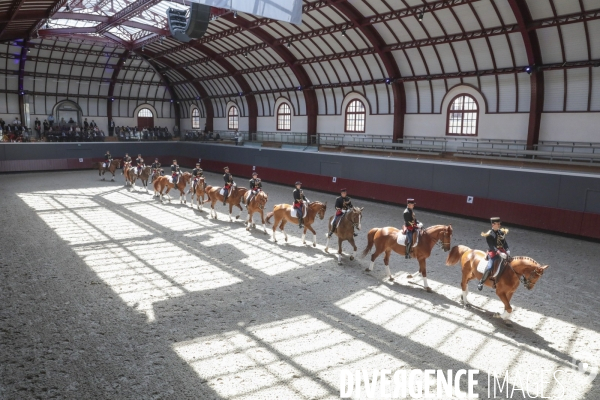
x,y
255,184
175,169
299,196
342,203
108,157
126,159
228,178
410,221
139,160
155,165
496,240
197,172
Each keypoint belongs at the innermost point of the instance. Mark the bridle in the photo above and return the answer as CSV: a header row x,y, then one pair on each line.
x,y
355,224
525,281
442,237
260,205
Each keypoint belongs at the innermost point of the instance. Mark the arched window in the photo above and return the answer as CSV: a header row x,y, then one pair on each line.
x,y
463,115
233,118
284,117
355,116
144,112
195,118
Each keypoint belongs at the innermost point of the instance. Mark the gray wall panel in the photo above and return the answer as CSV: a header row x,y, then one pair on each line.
x,y
572,192
524,187
461,180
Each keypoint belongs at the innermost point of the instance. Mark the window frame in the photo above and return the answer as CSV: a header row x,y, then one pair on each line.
x,y
145,116
195,118
233,118
462,112
364,113
281,114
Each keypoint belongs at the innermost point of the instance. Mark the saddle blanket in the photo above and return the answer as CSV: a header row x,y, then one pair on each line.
x,y
222,192
294,212
103,165
401,238
170,179
483,264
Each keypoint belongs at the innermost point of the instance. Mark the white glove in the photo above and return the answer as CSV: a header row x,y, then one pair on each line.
x,y
420,225
508,252
503,256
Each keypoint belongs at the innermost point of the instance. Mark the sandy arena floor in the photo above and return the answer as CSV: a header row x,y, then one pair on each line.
x,y
106,293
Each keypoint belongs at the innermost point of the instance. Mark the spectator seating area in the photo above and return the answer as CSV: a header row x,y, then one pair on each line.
x,y
126,133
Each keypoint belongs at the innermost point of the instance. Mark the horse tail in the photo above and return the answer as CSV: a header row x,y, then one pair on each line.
x,y
207,192
455,254
269,215
370,238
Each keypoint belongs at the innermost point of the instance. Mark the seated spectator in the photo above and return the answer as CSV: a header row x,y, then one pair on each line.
x,y
217,136
62,123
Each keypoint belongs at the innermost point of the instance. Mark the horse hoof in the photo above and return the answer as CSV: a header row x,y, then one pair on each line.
x,y
496,315
508,323
339,263
391,279
351,258
367,270
467,305
409,276
326,250
428,289
286,239
237,217
314,245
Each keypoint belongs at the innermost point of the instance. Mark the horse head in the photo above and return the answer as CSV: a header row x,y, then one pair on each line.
x,y
117,162
355,216
322,208
528,269
261,198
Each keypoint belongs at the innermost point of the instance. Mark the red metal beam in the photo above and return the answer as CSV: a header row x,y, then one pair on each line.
x,y
44,33
14,9
104,18
534,57
565,19
78,63
124,14
57,5
111,87
87,78
391,67
310,96
125,44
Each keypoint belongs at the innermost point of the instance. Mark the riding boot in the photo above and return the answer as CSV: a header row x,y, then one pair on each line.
x,y
408,248
484,278
355,234
225,198
300,222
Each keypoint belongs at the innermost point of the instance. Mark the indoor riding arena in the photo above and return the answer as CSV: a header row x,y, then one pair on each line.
x,y
177,177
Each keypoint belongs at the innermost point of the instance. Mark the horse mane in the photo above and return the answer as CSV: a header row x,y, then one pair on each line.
x,y
523,258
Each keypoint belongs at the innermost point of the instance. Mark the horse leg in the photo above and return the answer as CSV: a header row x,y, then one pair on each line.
x,y
249,220
283,222
327,243
351,241
275,222
386,262
339,255
310,228
230,212
465,289
507,314
240,213
423,272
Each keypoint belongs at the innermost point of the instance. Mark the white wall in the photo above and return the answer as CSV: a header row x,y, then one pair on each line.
x,y
269,123
576,127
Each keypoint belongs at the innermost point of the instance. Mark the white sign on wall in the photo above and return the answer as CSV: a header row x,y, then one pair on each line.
x,y
470,199
254,168
81,160
334,179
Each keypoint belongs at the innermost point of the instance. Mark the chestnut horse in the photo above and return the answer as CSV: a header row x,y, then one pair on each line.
x,y
283,214
345,231
131,176
162,182
386,240
234,199
114,164
518,269
257,205
198,192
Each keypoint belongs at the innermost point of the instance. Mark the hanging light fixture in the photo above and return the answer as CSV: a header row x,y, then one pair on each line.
x,y
420,16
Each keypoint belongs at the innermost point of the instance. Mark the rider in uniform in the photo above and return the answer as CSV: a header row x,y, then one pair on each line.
x,y
126,160
497,247
197,173
255,187
107,159
299,199
175,171
155,169
342,204
140,163
411,223
228,178
155,164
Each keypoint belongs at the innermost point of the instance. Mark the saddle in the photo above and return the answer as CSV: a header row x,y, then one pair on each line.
x,y
497,268
403,237
295,210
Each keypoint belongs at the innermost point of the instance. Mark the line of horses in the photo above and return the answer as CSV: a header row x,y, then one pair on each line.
x,y
379,240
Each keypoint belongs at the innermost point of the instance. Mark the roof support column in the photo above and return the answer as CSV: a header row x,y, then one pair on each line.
x,y
111,88
391,67
534,57
22,60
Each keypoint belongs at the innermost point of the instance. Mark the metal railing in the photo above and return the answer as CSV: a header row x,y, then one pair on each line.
x,y
351,139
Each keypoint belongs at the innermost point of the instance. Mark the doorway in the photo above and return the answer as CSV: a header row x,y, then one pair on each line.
x,y
145,119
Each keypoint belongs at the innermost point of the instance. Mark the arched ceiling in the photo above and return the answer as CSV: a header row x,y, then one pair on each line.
x,y
380,48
